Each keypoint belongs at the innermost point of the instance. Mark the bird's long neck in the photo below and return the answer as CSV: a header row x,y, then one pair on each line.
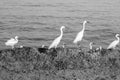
x,y
90,45
61,32
117,38
83,27
16,39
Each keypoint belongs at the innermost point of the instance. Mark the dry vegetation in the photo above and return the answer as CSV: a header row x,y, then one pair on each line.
x,y
59,64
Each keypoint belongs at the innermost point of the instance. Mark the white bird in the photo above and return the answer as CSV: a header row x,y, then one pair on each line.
x,y
90,45
92,49
58,39
11,42
64,45
21,46
99,49
80,34
114,43
43,46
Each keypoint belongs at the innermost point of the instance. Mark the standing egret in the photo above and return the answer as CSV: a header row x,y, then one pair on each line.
x,y
64,45
58,39
90,45
11,42
114,43
92,49
80,34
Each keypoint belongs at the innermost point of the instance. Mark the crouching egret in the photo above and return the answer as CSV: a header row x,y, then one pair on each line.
x,y
21,46
58,39
114,43
99,49
80,34
11,42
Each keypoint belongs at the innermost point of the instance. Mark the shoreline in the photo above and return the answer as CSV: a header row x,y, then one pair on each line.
x,y
59,64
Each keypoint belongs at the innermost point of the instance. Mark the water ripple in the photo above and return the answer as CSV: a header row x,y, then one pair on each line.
x,y
34,39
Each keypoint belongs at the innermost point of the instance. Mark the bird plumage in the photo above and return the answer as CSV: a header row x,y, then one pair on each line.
x,y
91,48
57,40
90,45
114,43
80,34
11,42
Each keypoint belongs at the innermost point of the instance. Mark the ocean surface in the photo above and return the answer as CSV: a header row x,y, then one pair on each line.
x,y
37,22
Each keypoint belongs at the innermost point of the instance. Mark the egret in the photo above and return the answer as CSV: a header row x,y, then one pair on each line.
x,y
11,42
64,45
114,43
99,49
58,39
90,45
43,46
80,34
94,51
21,46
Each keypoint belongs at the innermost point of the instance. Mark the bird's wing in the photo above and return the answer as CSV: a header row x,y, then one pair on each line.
x,y
11,40
55,42
113,44
79,36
